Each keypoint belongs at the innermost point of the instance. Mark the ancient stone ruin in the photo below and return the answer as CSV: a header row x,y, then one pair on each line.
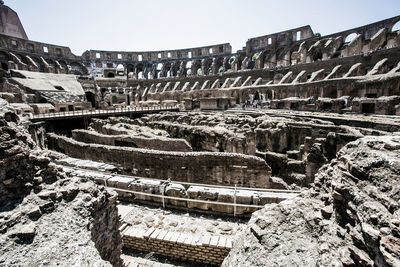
x,y
285,153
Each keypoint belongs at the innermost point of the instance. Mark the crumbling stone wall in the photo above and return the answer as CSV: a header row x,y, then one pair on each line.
x,y
349,218
198,167
47,218
157,143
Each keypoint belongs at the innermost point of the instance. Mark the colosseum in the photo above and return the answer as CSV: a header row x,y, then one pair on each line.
x,y
284,153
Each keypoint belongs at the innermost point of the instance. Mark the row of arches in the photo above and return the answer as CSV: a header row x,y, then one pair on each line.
x,y
37,63
197,67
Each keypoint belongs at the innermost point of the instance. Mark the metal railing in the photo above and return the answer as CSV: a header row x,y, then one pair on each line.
x,y
236,189
81,113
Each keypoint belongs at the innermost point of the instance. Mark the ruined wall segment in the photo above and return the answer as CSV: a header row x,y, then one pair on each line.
x,y
45,216
196,167
349,217
10,23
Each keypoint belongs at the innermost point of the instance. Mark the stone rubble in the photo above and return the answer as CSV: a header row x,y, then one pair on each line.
x,y
47,218
350,217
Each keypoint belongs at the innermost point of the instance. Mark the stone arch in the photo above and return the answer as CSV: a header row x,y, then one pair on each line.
x,y
167,69
130,68
23,59
237,96
253,59
395,26
245,95
219,62
277,78
51,63
139,68
78,68
228,62
240,58
196,65
188,68
280,53
175,68
350,37
206,66
91,97
4,58
269,94
38,63
64,65
265,57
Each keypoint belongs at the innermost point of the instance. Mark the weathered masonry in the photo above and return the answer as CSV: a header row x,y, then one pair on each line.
x,y
356,70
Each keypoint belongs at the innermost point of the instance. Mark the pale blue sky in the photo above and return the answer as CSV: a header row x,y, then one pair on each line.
x,y
131,25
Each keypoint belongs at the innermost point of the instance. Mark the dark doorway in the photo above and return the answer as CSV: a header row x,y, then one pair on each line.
x,y
110,75
368,108
4,66
70,108
326,107
90,97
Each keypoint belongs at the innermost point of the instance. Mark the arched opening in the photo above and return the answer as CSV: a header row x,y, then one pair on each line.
x,y
317,55
219,62
228,62
167,69
254,58
350,37
265,58
240,60
196,67
4,66
4,60
38,63
277,78
269,94
140,75
188,68
207,63
63,64
78,69
396,27
51,63
159,70
139,68
90,97
130,68
110,75
175,68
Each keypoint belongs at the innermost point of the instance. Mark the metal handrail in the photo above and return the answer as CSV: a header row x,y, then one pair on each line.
x,y
187,199
100,111
257,189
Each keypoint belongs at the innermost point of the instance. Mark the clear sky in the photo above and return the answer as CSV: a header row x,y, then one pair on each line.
x,y
131,25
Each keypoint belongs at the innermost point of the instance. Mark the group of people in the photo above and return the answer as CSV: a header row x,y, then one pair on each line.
x,y
250,103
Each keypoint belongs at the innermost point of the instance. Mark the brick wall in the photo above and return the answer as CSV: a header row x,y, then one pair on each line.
x,y
206,249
